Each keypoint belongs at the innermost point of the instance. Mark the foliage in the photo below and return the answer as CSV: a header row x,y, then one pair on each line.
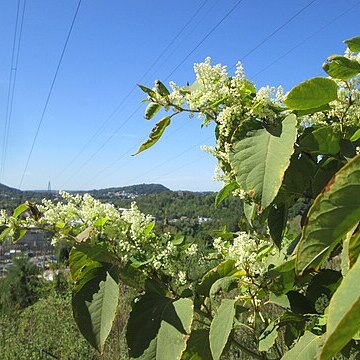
x,y
21,287
283,278
47,329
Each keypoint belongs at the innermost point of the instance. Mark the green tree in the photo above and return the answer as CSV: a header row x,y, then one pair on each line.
x,y
21,287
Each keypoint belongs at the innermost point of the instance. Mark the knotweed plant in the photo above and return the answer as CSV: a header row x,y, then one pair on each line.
x,y
284,285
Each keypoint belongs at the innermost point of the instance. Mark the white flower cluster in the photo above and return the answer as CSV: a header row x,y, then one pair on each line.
x,y
230,101
138,222
3,217
78,209
129,234
244,250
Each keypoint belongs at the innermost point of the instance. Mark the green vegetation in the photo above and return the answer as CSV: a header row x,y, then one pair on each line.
x,y
281,282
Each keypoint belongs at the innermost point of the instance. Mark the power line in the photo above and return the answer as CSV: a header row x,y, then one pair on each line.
x,y
205,37
133,149
180,167
268,37
280,57
305,40
12,83
119,106
87,161
276,60
171,73
50,92
175,157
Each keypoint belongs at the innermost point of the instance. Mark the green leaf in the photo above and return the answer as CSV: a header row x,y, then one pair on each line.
x,y
350,250
249,211
321,141
132,277
297,177
282,300
87,261
221,327
334,212
198,347
277,222
227,268
343,314
340,67
223,285
151,110
347,148
159,327
311,94
5,232
161,88
94,307
282,277
326,170
353,44
261,159
18,234
155,134
20,209
268,337
225,192
148,91
306,348
323,283
354,248
177,239
324,107
355,136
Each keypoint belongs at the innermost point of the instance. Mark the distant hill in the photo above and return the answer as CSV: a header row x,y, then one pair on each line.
x,y
131,191
8,190
10,197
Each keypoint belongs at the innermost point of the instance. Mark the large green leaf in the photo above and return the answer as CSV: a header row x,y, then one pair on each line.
x,y
343,314
353,43
221,327
340,67
86,262
95,305
321,141
261,159
311,94
334,212
155,134
159,327
307,348
198,346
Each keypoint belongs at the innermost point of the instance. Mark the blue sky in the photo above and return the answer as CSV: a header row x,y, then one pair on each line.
x,y
112,45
